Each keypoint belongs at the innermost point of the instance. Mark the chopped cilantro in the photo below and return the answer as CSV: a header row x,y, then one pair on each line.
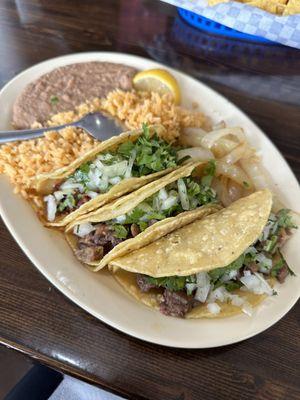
x,y
173,283
120,231
81,174
67,203
126,148
209,173
134,216
246,184
285,219
270,245
216,274
233,285
152,153
142,225
277,267
54,100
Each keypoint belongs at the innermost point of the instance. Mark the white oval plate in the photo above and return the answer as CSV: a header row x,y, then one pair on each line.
x,y
99,294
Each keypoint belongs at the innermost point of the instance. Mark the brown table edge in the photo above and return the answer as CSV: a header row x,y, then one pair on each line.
x,y
65,368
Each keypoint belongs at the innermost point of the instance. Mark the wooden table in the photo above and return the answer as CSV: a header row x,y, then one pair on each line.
x,y
37,319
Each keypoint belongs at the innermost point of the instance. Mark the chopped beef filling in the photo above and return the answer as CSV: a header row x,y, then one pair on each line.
x,y
135,230
96,244
89,254
253,267
99,242
173,303
84,199
283,236
282,273
176,304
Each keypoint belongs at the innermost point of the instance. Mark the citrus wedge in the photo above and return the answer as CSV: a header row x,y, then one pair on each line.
x,y
157,80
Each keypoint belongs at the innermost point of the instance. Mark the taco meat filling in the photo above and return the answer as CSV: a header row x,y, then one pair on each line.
x,y
145,156
183,195
252,272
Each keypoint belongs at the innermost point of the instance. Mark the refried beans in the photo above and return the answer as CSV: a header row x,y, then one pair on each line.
x,y
66,87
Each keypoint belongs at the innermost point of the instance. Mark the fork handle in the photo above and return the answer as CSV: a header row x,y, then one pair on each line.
x,y
12,136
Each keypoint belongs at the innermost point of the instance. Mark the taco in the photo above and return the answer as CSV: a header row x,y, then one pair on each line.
x,y
145,215
220,265
113,168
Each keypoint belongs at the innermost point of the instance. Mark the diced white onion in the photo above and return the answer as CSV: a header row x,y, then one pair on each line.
x,y
92,194
115,180
229,275
104,157
69,184
121,219
251,250
94,178
83,229
163,194
130,164
190,287
264,261
213,308
182,191
169,202
117,169
256,284
203,286
202,293
266,231
220,294
58,195
98,164
196,153
237,300
51,207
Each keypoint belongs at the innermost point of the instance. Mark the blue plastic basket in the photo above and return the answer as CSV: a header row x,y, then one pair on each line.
x,y
207,25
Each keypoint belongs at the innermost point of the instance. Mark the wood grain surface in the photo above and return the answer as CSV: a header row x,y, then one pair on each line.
x,y
38,320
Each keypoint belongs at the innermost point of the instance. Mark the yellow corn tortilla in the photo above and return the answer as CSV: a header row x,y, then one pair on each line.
x,y
151,299
205,244
292,7
127,203
245,218
279,7
45,183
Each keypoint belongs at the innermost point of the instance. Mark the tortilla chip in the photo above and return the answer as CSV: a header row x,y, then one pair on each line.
x,y
45,183
127,203
215,2
151,299
292,7
272,6
211,242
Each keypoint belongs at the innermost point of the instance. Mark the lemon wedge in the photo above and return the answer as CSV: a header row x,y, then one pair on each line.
x,y
157,80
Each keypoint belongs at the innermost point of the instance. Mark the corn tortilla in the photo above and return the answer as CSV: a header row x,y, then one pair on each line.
x,y
129,202
45,183
205,244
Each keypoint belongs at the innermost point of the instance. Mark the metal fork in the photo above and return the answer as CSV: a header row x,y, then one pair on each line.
x,y
96,124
